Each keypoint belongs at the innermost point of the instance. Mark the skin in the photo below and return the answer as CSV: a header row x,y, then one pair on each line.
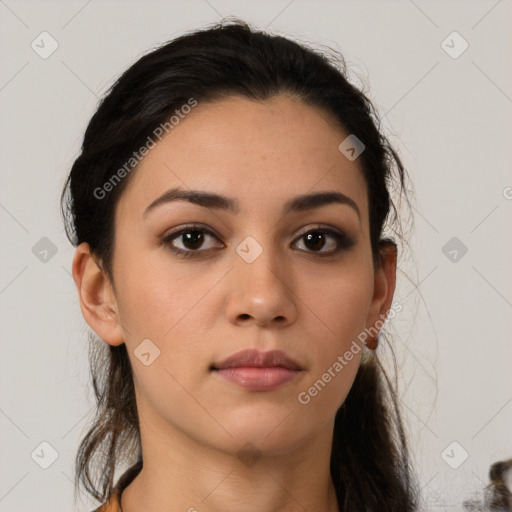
x,y
201,310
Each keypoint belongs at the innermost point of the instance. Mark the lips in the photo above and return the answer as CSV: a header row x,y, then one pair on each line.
x,y
258,371
257,359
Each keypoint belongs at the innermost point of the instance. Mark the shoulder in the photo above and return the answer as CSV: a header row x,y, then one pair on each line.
x,y
111,505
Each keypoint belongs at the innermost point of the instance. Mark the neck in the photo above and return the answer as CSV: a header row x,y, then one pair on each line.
x,y
180,473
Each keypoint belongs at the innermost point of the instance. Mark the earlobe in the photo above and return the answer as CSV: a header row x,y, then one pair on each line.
x,y
97,300
384,289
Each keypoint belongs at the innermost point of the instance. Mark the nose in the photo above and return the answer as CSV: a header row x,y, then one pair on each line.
x,y
262,290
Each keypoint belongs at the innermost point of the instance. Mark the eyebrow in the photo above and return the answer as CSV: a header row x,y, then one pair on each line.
x,y
219,202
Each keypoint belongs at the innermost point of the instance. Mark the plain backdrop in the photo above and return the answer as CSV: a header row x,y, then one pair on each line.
x,y
447,109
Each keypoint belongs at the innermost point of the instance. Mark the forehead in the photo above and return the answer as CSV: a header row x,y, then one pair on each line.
x,y
261,152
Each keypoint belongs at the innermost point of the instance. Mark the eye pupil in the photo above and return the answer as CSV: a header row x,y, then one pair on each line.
x,y
317,238
314,240
194,238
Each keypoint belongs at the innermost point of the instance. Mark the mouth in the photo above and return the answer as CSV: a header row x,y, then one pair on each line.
x,y
258,371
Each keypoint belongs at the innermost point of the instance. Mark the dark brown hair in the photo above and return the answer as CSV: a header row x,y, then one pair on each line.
x,y
498,497
371,471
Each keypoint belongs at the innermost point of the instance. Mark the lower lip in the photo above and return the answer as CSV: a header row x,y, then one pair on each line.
x,y
258,378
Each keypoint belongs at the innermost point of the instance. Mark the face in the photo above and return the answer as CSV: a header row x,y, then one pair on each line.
x,y
203,282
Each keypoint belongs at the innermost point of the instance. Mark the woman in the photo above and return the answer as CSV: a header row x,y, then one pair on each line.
x,y
228,210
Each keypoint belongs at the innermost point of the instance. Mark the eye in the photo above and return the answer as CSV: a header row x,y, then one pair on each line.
x,y
317,239
192,238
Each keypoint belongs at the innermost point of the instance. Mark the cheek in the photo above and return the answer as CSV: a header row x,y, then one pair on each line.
x,y
153,297
340,304
340,311
170,307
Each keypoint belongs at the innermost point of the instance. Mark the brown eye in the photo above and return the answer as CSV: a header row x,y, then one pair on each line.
x,y
315,240
192,240
318,239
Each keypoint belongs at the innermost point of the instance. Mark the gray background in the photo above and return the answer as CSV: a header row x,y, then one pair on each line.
x,y
448,117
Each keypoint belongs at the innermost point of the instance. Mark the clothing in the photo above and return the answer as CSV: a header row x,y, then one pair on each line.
x,y
113,503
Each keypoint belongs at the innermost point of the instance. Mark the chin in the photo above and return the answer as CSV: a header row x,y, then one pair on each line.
x,y
271,434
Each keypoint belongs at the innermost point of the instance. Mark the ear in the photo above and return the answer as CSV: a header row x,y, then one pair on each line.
x,y
383,291
97,299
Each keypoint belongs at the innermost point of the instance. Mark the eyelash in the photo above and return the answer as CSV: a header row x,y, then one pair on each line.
x,y
343,241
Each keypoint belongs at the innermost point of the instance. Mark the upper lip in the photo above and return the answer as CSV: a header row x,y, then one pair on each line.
x,y
256,358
